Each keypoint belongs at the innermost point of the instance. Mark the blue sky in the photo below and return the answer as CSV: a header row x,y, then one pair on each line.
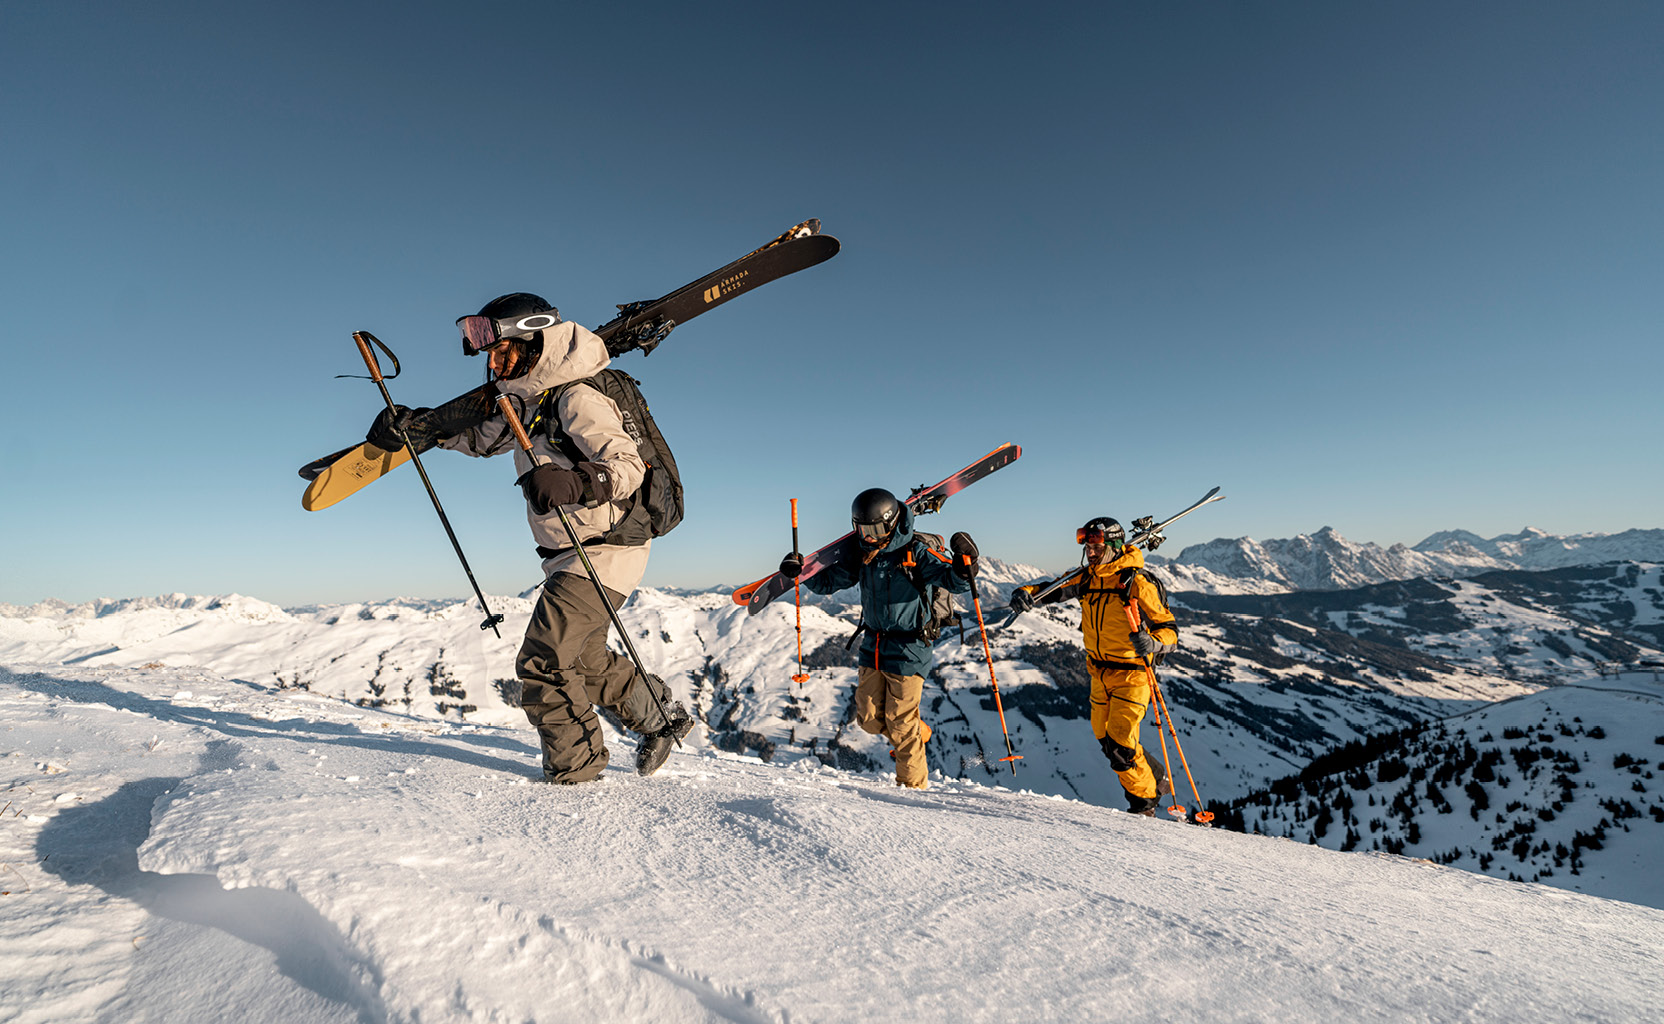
x,y
1387,268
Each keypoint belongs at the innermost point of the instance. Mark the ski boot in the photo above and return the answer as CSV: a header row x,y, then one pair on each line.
x,y
1164,784
654,749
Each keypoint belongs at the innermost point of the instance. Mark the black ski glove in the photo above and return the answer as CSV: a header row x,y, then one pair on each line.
x,y
791,566
1021,600
1148,646
384,432
547,486
962,546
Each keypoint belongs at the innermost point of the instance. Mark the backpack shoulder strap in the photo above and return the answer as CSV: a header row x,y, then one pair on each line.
x,y
548,415
1128,575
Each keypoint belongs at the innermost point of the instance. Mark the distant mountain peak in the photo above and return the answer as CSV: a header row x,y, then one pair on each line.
x,y
1326,560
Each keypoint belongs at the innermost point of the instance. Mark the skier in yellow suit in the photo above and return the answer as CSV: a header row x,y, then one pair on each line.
x,y
1111,581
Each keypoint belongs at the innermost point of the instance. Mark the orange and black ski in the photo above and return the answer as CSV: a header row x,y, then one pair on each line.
x,y
756,596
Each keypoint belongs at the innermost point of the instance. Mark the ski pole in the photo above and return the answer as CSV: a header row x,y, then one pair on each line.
x,y
1160,711
525,442
797,595
363,338
976,601
1202,817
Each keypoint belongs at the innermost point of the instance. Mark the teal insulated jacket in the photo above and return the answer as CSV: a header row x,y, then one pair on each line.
x,y
892,609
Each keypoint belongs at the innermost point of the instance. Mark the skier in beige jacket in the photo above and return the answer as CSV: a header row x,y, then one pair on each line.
x,y
564,665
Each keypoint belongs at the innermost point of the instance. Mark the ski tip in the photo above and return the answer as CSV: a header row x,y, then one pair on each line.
x,y
316,498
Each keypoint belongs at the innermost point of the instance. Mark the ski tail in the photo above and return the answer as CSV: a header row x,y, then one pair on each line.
x,y
312,470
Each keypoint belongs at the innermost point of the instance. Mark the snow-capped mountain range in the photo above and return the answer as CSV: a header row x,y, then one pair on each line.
x,y
1327,561
1262,686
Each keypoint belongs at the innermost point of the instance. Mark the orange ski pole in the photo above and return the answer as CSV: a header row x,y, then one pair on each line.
x,y
797,595
1174,807
1012,756
1202,817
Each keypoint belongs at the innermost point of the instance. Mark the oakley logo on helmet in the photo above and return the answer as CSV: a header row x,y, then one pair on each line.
x,y
536,322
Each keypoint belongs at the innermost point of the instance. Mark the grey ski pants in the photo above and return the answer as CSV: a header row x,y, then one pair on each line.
x,y
565,669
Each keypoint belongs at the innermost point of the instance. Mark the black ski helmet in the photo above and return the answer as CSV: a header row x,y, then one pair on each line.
x,y
1104,526
875,513
517,304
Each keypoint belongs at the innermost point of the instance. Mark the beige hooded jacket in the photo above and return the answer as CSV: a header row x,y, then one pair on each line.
x,y
572,352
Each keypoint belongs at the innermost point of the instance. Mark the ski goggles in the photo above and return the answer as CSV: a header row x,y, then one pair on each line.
x,y
1097,536
482,332
873,533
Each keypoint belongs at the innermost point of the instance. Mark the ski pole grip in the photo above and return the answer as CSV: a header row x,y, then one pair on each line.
x,y
369,357
514,424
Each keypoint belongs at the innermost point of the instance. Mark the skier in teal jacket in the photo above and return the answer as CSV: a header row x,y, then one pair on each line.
x,y
895,569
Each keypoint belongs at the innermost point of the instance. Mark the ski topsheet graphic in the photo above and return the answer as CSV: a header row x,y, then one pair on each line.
x,y
756,596
639,325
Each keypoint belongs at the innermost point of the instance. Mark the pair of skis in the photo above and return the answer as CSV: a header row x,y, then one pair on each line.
x,y
924,500
639,325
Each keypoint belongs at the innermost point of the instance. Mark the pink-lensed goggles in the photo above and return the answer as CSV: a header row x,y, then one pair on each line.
x,y
482,332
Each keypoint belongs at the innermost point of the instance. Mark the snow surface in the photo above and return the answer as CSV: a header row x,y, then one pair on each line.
x,y
182,846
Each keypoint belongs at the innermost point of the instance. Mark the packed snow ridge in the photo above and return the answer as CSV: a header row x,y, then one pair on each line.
x,y
184,846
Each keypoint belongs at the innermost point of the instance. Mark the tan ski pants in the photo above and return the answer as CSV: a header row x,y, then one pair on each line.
x,y
888,705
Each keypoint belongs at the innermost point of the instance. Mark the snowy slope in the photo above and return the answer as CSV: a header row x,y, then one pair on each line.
x,y
182,846
1559,786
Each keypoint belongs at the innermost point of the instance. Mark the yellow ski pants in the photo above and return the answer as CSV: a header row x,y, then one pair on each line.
x,y
1119,697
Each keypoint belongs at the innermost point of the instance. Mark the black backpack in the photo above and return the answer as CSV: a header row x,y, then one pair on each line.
x,y
656,508
1124,591
937,601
